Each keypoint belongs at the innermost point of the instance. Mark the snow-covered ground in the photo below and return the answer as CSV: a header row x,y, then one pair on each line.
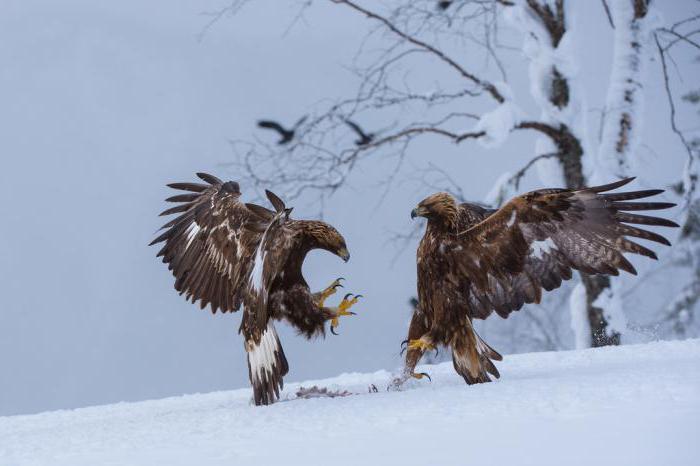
x,y
632,405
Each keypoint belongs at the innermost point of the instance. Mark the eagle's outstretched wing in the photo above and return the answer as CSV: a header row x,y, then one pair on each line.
x,y
535,240
209,246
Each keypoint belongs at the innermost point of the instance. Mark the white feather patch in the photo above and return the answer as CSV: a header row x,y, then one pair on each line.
x,y
192,234
539,248
262,357
256,276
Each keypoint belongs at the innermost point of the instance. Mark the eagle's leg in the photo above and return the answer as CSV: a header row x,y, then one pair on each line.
x,y
421,345
321,296
414,351
417,330
342,310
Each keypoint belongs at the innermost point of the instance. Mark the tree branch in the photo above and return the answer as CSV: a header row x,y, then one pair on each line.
x,y
487,86
606,7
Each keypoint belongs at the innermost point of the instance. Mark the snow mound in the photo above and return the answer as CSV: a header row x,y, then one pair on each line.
x,y
631,405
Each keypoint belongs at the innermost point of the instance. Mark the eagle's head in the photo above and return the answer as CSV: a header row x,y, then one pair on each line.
x,y
439,206
324,236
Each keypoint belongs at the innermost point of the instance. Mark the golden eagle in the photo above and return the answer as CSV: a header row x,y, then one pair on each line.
x,y
473,261
224,253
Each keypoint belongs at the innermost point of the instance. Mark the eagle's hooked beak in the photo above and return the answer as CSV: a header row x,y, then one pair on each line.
x,y
418,212
344,254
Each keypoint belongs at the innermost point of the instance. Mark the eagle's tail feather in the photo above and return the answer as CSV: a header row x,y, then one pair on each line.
x,y
472,357
267,365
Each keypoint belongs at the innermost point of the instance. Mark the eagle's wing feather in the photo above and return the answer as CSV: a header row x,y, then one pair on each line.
x,y
537,239
209,245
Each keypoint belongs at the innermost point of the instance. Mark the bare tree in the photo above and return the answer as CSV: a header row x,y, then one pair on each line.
x,y
417,34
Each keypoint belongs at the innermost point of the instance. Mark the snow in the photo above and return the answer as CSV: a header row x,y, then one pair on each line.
x,y
497,124
579,317
610,299
549,169
542,59
631,405
500,191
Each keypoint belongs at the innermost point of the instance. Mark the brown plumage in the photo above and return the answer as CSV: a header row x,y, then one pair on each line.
x,y
224,253
473,262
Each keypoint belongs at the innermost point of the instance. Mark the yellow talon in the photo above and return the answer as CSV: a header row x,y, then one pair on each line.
x,y
347,304
329,291
342,310
420,344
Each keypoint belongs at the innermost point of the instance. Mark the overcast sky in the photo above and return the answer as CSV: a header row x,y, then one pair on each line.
x,y
103,103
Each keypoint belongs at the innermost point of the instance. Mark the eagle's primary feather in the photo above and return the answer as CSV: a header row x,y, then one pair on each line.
x,y
473,262
224,253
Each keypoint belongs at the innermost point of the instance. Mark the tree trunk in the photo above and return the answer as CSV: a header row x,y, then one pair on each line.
x,y
600,335
570,156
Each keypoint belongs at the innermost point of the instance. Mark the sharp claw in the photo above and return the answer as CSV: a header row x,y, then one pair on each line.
x,y
333,331
437,352
358,296
425,374
346,296
404,346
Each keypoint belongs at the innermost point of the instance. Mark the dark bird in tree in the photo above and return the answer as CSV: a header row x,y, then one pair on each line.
x,y
444,5
472,262
224,253
286,135
364,137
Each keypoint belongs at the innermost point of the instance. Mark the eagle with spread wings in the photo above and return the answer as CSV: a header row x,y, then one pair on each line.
x,y
225,253
473,261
